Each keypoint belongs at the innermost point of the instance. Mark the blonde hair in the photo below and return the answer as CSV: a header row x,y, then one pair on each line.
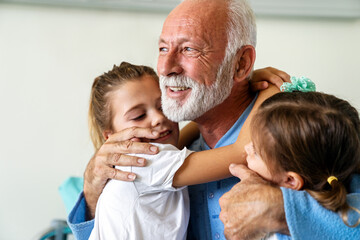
x,y
315,135
100,116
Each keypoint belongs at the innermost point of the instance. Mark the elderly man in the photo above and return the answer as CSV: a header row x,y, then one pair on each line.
x,y
206,54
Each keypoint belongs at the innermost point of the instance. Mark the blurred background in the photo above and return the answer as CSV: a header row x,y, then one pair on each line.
x,y
50,54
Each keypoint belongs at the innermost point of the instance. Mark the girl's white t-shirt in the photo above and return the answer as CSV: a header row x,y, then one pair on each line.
x,y
149,207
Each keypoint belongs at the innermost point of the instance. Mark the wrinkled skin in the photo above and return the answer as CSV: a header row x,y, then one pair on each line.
x,y
252,208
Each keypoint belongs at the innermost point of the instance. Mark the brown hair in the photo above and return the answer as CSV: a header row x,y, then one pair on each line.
x,y
99,110
315,135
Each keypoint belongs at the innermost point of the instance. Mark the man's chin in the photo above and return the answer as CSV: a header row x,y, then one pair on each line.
x,y
180,114
174,114
184,107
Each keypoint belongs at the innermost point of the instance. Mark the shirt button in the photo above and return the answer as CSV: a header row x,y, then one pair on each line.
x,y
211,195
217,236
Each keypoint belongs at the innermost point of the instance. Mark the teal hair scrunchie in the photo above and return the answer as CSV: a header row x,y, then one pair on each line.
x,y
302,84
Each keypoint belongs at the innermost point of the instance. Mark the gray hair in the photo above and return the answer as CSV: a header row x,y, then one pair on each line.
x,y
241,30
241,25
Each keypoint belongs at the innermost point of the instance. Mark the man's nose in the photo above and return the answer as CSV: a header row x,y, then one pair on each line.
x,y
169,64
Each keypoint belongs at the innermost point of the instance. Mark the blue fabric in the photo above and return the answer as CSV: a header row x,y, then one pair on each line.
x,y
70,190
318,222
204,198
77,220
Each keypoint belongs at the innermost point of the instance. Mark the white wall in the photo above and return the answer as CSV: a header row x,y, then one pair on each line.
x,y
49,58
326,50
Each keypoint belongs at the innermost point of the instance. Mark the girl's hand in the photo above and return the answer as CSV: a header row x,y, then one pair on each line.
x,y
261,78
113,153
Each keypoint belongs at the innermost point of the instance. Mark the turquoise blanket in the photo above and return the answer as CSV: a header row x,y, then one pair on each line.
x,y
307,219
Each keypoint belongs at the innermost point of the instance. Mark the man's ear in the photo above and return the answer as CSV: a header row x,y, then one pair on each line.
x,y
106,134
293,180
244,64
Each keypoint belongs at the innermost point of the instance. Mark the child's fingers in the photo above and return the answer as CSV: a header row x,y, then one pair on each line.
x,y
258,86
270,75
281,74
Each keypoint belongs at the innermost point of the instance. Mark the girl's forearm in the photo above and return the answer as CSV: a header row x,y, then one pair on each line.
x,y
212,165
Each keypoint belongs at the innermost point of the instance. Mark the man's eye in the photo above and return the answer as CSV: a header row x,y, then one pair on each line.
x,y
189,49
140,117
163,49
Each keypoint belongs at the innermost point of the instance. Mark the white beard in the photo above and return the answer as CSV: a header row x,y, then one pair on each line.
x,y
202,98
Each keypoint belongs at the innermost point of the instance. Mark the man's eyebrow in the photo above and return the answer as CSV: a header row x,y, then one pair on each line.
x,y
161,40
179,40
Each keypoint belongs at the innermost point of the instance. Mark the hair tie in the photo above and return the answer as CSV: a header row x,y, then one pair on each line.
x,y
331,178
302,84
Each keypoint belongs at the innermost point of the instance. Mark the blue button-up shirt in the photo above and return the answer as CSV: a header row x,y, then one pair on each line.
x,y
204,198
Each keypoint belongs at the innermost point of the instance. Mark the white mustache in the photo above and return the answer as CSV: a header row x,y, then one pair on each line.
x,y
178,81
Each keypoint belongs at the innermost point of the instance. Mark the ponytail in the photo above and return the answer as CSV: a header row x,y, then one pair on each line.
x,y
96,118
335,200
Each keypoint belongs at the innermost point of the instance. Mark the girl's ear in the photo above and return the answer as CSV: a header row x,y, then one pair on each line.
x,y
106,134
293,181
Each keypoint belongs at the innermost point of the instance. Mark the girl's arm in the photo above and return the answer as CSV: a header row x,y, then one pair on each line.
x,y
212,165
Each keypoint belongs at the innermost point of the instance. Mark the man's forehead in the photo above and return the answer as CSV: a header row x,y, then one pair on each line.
x,y
182,20
193,25
192,12
187,34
